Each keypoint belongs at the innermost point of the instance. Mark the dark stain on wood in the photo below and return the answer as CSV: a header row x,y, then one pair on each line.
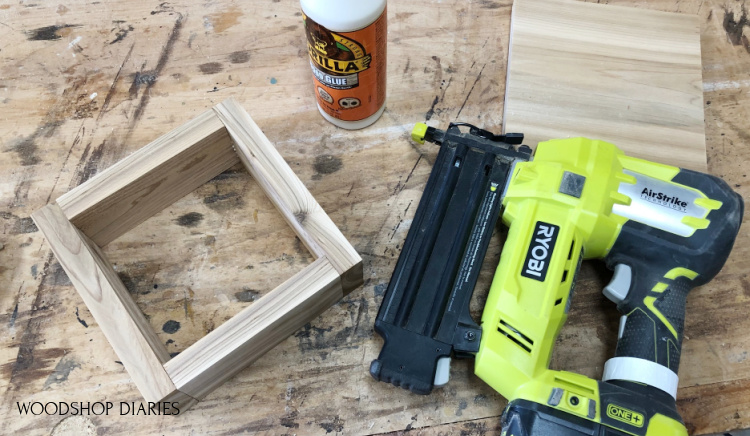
x,y
380,288
486,4
210,68
19,225
745,285
166,52
288,421
113,87
327,164
478,428
734,28
13,317
138,277
78,317
49,33
21,193
431,112
481,400
171,326
128,282
239,57
59,276
91,164
121,31
333,425
24,225
191,219
26,148
323,339
140,78
32,363
462,405
302,250
402,16
62,371
479,76
163,8
247,295
311,338
85,107
263,425
224,201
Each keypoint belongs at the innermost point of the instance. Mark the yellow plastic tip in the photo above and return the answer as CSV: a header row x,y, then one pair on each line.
x,y
418,132
708,203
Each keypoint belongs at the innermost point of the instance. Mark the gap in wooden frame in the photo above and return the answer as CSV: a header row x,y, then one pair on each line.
x,y
203,259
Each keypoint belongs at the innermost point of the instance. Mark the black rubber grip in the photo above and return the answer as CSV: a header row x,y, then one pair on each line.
x,y
655,304
656,315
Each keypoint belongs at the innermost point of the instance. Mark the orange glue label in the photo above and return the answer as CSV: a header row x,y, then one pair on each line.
x,y
348,68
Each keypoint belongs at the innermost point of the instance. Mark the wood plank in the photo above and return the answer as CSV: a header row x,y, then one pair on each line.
x,y
144,183
628,76
125,327
289,194
716,407
237,343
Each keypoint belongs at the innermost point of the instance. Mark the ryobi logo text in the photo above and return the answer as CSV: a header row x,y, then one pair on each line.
x,y
540,251
624,415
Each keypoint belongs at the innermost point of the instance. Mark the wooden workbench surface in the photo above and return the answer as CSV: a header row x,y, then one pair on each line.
x,y
83,84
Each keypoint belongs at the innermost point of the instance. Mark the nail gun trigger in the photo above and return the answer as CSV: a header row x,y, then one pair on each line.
x,y
619,287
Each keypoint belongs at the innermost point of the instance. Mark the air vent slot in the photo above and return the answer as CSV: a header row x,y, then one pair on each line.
x,y
516,336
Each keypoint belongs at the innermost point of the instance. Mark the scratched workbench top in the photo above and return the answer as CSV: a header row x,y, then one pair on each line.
x,y
83,84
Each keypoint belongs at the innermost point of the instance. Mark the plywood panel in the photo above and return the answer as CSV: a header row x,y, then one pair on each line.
x,y
628,76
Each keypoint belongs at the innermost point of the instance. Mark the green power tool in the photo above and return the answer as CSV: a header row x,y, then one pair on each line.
x,y
662,229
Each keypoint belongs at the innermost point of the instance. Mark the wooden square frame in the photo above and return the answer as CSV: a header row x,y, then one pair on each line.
x,y
139,186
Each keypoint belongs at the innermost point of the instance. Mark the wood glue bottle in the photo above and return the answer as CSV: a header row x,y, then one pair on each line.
x,y
346,40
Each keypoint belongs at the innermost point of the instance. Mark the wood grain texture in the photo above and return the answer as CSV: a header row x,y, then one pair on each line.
x,y
237,343
144,183
446,62
199,146
628,76
125,327
289,194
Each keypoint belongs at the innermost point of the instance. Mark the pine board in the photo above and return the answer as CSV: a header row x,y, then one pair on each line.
x,y
628,76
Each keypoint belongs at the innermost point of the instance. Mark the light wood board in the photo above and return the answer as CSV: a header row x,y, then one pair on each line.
x,y
628,76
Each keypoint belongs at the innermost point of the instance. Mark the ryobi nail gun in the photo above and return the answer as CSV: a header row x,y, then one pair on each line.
x,y
664,230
